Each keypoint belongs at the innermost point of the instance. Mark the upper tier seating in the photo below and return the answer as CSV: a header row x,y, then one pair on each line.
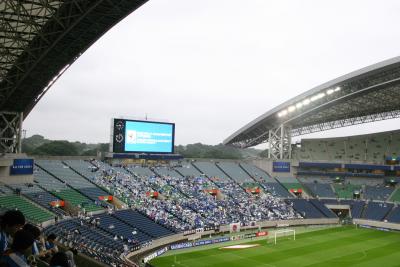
x,y
371,148
377,192
187,169
235,172
320,190
66,174
212,171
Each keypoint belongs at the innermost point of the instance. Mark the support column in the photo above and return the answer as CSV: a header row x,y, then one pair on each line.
x,y
280,140
10,132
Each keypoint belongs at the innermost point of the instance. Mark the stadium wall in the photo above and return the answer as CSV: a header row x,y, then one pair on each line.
x,y
377,224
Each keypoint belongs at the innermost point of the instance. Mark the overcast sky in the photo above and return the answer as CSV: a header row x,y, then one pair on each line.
x,y
212,66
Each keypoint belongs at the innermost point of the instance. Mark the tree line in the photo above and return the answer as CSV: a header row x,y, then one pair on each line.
x,y
39,145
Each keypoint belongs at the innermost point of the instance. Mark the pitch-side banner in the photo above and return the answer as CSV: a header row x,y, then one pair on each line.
x,y
234,227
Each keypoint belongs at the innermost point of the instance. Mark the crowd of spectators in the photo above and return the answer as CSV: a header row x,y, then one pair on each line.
x,y
184,203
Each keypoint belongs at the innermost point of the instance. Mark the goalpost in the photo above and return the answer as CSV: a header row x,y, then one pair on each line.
x,y
285,233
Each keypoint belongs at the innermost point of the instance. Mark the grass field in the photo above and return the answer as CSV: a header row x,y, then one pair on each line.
x,y
342,246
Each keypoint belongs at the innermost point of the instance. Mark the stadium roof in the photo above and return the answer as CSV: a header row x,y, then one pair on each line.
x,y
40,39
366,95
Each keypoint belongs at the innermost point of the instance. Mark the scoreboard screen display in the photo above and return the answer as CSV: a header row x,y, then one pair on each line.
x,y
134,136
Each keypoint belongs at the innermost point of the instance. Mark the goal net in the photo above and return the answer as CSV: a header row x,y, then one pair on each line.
x,y
286,232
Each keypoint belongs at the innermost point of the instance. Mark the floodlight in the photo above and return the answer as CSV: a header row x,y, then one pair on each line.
x,y
306,101
329,92
299,105
337,89
291,108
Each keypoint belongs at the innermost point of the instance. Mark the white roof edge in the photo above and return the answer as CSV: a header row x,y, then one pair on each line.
x,y
314,90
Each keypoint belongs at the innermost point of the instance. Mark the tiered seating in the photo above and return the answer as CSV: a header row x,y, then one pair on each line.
x,y
394,215
116,227
83,167
396,196
188,170
370,147
377,210
290,183
377,192
4,190
345,190
142,223
91,241
77,199
66,174
235,172
212,171
165,171
268,183
320,190
139,170
356,207
257,173
38,195
322,208
32,212
306,209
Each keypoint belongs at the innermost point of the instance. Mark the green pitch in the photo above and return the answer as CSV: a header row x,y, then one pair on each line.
x,y
342,246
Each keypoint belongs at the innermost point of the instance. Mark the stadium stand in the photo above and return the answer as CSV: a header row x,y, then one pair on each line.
x,y
395,196
235,172
394,215
75,180
306,208
376,210
63,191
32,212
371,148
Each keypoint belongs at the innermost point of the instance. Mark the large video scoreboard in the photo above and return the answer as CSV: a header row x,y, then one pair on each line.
x,y
135,136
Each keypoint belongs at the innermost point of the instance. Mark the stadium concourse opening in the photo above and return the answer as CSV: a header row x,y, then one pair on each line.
x,y
143,204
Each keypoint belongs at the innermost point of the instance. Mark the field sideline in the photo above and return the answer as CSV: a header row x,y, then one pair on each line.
x,y
344,246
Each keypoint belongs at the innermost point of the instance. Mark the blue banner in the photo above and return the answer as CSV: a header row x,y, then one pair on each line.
x,y
280,166
22,167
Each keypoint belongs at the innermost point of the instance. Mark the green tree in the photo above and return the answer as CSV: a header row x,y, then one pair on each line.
x,y
57,148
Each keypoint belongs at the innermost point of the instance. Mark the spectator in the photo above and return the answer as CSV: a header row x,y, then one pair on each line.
x,y
21,246
11,222
37,244
50,245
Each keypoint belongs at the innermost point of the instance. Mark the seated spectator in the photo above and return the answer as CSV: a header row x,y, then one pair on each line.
x,y
21,246
11,222
37,246
50,246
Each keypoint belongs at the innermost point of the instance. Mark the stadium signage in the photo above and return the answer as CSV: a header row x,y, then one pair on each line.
x,y
261,234
155,254
280,166
22,167
199,243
